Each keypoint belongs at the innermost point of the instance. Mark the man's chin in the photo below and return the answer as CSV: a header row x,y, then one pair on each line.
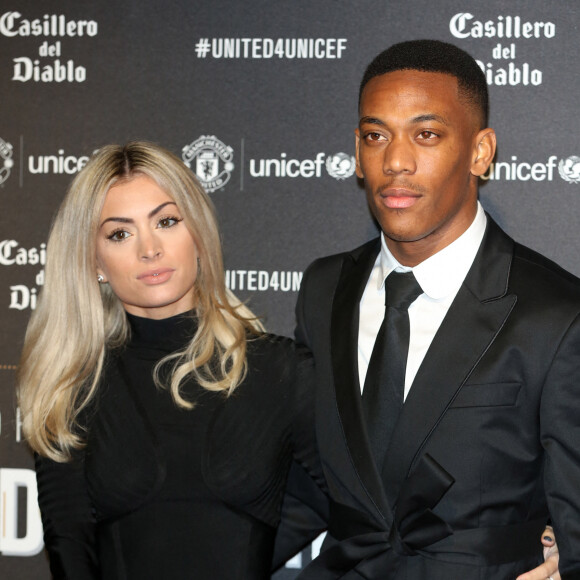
x,y
402,236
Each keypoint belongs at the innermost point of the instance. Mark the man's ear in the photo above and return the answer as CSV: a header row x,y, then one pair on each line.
x,y
484,151
359,172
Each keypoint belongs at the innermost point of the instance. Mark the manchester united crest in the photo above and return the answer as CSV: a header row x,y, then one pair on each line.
x,y
211,160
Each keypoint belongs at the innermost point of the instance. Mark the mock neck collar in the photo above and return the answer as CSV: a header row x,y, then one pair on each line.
x,y
167,334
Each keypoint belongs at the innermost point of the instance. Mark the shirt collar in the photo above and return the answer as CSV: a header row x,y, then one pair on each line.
x,y
443,273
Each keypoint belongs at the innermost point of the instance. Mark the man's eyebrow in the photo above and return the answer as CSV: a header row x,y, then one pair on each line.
x,y
418,119
429,117
371,121
125,220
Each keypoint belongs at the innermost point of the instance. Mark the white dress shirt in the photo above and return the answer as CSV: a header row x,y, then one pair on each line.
x,y
440,277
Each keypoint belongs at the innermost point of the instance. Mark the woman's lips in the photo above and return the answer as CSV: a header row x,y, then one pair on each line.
x,y
156,276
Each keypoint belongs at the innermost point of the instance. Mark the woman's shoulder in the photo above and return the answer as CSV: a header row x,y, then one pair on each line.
x,y
268,342
271,357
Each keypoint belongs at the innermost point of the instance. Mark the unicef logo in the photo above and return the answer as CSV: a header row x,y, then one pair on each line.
x,y
569,169
340,165
211,160
6,161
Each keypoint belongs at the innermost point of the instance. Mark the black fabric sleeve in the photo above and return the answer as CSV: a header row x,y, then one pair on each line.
x,y
305,505
68,520
560,433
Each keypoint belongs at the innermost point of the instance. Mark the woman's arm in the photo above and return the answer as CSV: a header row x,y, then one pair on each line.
x,y
305,507
68,519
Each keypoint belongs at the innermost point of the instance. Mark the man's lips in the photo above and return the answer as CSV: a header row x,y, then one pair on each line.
x,y
157,276
398,197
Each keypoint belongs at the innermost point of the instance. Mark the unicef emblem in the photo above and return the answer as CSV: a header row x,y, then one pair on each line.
x,y
570,169
211,160
340,165
6,161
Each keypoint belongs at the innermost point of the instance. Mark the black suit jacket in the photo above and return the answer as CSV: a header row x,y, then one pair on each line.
x,y
487,446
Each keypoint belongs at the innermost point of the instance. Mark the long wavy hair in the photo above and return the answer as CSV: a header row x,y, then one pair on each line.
x,y
77,319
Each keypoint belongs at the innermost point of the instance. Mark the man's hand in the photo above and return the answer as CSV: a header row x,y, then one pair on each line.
x,y
549,569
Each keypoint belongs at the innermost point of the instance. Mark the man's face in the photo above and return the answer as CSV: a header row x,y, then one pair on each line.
x,y
419,151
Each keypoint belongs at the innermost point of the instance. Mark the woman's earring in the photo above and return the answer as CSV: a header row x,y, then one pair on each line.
x,y
100,278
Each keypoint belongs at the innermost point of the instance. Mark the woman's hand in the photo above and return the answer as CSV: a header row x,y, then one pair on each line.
x,y
549,569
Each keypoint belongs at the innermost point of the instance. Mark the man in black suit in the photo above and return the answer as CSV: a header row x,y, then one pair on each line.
x,y
480,362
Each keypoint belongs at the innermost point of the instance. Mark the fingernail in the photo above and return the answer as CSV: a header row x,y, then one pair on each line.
x,y
548,538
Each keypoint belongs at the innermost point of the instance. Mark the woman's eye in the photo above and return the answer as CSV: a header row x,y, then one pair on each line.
x,y
167,222
118,236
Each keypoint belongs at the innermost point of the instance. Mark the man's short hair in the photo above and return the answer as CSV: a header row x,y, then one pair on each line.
x,y
435,56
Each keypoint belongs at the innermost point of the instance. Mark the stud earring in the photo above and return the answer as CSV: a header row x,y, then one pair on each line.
x,y
100,278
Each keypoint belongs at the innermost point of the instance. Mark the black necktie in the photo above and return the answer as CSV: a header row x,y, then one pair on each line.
x,y
385,380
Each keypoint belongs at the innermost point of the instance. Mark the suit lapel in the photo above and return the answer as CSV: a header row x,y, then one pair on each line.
x,y
474,319
356,269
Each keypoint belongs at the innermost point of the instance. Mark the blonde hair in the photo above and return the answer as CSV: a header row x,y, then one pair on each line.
x,y
77,319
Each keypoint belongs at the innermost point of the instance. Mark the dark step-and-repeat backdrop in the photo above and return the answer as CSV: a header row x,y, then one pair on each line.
x,y
259,98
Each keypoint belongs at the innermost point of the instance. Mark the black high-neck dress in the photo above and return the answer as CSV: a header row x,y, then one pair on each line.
x,y
162,492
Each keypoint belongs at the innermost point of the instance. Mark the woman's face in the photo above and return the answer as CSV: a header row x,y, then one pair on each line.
x,y
145,251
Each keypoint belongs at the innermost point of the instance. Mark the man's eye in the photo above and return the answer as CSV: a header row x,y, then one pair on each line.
x,y
374,136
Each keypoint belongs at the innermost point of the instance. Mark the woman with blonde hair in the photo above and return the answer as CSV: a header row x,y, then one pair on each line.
x,y
163,418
